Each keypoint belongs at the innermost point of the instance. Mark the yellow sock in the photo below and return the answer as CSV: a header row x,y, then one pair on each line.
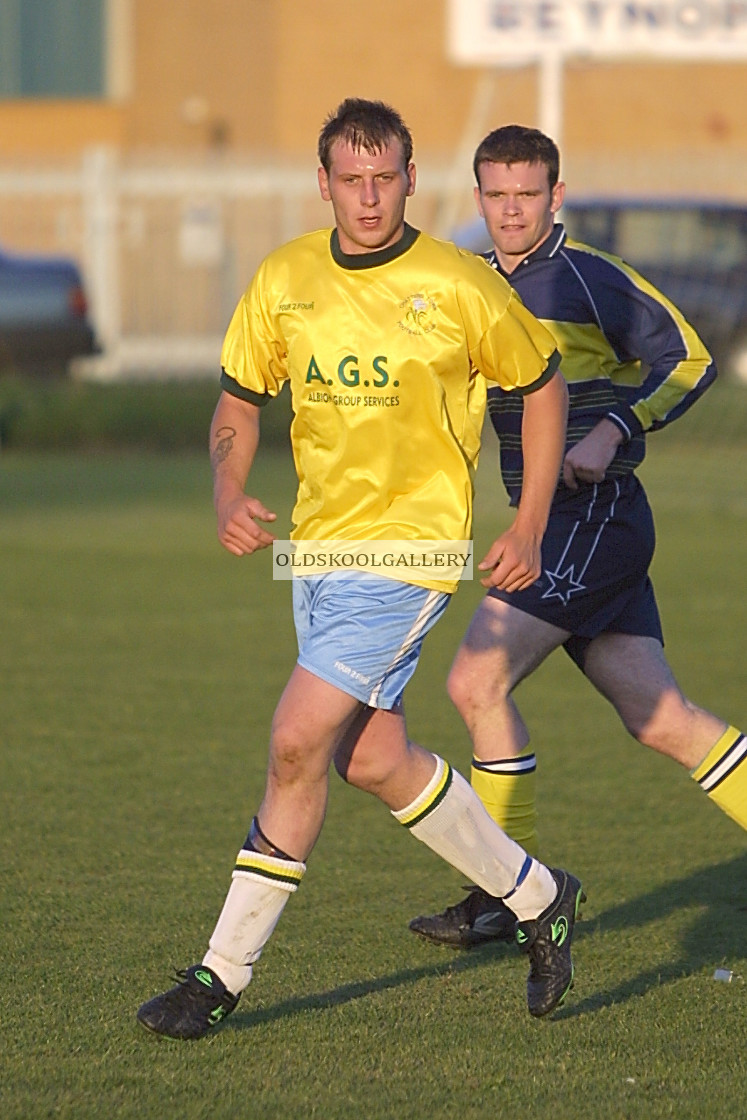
x,y
723,775
506,789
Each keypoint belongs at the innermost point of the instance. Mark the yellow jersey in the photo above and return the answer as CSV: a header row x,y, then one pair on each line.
x,y
387,355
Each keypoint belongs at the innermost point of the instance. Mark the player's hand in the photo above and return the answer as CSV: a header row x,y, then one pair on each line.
x,y
513,561
238,530
588,460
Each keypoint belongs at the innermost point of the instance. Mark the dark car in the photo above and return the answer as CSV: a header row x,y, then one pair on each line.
x,y
695,252
43,314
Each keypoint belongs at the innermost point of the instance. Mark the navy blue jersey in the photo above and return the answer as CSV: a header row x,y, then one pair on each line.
x,y
628,354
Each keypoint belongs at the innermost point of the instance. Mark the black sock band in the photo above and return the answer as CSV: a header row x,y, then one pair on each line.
x,y
256,841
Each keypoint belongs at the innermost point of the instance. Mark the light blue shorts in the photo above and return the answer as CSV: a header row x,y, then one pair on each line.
x,y
363,634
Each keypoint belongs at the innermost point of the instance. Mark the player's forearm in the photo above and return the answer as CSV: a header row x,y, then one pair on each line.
x,y
543,442
234,437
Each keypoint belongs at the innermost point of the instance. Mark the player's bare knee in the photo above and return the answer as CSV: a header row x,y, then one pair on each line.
x,y
455,687
367,775
290,754
474,694
662,726
645,727
371,768
462,690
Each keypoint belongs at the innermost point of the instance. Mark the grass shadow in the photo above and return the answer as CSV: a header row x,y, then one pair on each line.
x,y
347,993
717,933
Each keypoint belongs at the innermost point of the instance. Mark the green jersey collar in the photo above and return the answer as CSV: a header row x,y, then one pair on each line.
x,y
378,256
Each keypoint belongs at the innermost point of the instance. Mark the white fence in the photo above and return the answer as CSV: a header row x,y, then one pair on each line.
x,y
168,243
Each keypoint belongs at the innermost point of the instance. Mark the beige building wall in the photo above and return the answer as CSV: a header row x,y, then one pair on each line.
x,y
259,76
205,74
49,129
655,105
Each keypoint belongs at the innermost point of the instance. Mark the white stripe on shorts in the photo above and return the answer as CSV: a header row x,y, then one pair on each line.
x,y
420,623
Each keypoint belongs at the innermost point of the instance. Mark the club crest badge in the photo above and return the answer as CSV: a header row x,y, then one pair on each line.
x,y
418,314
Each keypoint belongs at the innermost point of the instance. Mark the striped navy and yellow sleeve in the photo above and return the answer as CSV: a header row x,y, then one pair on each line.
x,y
648,334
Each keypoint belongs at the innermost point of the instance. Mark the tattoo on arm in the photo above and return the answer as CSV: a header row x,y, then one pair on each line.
x,y
223,445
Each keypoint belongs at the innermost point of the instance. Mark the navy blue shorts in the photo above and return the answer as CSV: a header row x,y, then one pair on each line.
x,y
595,559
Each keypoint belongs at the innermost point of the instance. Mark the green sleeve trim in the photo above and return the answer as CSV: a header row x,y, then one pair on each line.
x,y
230,385
550,371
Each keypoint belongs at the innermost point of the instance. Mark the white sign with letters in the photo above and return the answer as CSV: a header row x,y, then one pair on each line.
x,y
514,32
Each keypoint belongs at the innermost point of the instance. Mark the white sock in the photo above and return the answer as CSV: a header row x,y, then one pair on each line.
x,y
260,888
449,817
534,893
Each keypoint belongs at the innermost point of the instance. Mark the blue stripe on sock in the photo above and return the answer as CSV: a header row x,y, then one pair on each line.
x,y
522,876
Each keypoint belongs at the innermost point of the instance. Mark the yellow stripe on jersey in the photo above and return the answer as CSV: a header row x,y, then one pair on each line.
x,y
387,366
684,375
588,356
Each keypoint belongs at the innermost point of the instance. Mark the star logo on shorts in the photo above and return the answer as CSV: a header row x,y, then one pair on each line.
x,y
562,585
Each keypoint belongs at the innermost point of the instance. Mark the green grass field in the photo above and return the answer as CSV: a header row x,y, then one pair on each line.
x,y
140,667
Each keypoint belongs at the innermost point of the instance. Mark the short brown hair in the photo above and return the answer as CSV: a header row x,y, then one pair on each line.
x,y
515,143
370,125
